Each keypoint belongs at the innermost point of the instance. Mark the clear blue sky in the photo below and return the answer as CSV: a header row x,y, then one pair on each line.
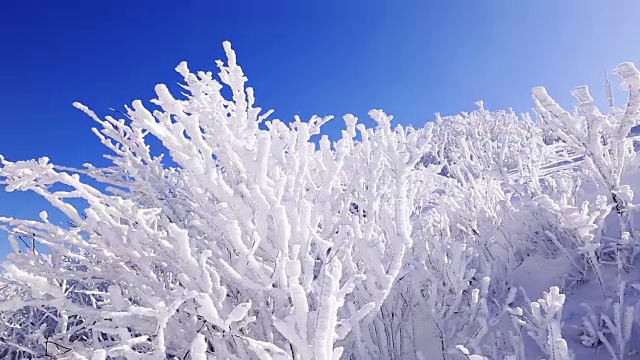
x,y
411,58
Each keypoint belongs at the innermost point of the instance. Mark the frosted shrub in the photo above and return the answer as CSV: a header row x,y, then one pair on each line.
x,y
543,323
249,242
603,140
484,143
260,239
614,324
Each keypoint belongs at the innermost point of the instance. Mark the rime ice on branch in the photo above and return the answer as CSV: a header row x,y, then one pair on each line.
x,y
265,240
248,242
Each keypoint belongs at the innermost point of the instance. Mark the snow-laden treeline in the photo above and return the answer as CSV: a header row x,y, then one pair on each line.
x,y
486,235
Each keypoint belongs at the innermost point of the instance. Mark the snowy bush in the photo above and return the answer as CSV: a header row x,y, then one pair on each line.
x,y
261,239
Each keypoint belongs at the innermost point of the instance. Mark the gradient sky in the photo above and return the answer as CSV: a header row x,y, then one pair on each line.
x,y
410,58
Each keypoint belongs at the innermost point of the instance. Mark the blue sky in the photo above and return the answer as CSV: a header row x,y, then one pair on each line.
x,y
411,58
